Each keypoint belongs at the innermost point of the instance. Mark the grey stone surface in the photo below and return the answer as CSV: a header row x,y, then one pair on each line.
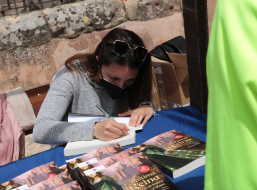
x,y
25,30
150,9
10,12
50,4
71,20
21,10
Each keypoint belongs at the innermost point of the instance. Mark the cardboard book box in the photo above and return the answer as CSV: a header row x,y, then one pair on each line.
x,y
172,81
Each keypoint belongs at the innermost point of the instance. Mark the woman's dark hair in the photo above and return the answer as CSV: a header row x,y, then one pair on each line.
x,y
141,90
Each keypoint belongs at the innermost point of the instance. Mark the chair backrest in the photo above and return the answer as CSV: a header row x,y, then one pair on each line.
x,y
36,97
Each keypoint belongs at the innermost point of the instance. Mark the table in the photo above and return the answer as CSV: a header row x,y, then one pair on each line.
x,y
188,120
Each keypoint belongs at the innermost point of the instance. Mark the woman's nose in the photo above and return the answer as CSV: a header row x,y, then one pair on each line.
x,y
121,84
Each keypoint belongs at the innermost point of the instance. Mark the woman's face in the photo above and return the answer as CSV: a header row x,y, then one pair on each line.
x,y
121,76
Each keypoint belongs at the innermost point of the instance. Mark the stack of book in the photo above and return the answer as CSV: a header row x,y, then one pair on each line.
x,y
44,177
111,167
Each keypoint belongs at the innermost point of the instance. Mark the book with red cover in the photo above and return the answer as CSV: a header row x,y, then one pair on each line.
x,y
134,172
99,154
91,157
32,177
53,182
109,160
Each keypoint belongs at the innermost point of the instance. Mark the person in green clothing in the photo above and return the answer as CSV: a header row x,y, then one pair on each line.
x,y
232,103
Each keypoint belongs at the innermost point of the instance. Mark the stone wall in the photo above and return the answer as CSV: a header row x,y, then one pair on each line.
x,y
33,46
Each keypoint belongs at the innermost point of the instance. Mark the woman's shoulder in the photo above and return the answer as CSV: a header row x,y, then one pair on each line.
x,y
65,73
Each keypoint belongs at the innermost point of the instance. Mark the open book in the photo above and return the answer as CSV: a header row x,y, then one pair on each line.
x,y
76,117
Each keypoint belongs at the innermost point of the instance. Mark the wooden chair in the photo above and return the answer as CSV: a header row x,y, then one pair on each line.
x,y
36,97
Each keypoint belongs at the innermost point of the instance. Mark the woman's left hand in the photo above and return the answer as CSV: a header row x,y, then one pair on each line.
x,y
143,113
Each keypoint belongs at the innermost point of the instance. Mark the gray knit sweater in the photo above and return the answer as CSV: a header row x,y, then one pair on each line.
x,y
71,93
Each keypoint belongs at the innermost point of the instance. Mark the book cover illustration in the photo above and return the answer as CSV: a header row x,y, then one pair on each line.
x,y
173,149
109,160
99,154
134,172
69,186
32,177
53,182
91,157
63,168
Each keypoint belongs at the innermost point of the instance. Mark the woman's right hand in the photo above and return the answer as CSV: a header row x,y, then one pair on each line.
x,y
110,129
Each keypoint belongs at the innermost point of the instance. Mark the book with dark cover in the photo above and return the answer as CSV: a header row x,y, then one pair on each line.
x,y
69,186
91,157
53,182
32,177
175,153
133,172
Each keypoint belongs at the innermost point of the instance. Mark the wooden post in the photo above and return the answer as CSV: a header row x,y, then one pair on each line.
x,y
197,37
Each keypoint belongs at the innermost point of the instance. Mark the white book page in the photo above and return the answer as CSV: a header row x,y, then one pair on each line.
x,y
83,118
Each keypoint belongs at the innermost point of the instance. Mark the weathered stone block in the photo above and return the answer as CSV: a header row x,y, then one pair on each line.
x,y
21,10
2,2
71,20
24,30
10,12
50,4
18,1
33,5
149,9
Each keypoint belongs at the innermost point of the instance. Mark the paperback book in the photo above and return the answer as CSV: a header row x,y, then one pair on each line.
x,y
69,186
174,152
53,182
80,147
97,154
84,166
133,172
90,158
32,177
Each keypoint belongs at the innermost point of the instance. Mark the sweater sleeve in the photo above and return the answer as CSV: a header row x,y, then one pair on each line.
x,y
49,127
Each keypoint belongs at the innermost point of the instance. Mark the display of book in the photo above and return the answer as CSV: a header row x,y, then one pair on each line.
x,y
32,177
110,166
53,182
82,147
174,152
133,172
107,161
99,154
91,157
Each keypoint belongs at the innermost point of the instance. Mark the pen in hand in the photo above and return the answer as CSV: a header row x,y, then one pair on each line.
x,y
109,117
104,112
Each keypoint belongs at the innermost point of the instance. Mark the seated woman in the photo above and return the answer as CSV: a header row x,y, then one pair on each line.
x,y
117,76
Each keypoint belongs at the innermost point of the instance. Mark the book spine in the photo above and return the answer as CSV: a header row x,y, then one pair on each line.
x,y
75,177
83,178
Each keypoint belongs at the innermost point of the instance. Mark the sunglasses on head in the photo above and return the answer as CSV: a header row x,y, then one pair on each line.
x,y
122,48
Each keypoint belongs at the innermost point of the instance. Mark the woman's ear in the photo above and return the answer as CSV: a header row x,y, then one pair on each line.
x,y
96,58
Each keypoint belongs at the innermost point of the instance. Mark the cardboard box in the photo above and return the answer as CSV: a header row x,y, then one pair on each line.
x,y
172,80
